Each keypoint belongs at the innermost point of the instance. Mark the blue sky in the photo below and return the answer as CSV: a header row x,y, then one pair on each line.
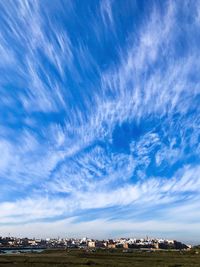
x,y
99,118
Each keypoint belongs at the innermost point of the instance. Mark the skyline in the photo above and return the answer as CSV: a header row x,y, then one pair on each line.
x,y
99,118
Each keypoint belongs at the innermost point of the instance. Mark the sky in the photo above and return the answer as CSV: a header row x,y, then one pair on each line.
x,y
100,118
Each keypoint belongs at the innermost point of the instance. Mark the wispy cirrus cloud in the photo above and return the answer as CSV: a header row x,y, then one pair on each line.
x,y
95,125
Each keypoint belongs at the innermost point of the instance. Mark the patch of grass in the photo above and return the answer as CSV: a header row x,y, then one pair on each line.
x,y
101,258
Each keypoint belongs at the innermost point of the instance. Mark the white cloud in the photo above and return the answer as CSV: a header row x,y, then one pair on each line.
x,y
150,194
106,12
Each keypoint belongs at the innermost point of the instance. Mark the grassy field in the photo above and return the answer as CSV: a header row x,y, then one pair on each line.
x,y
101,259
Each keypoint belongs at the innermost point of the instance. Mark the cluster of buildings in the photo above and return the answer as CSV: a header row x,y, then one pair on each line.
x,y
134,243
87,243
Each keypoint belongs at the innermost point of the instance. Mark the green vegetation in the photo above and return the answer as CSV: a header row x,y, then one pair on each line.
x,y
103,258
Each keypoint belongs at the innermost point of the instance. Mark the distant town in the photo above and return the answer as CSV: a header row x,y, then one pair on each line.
x,y
87,243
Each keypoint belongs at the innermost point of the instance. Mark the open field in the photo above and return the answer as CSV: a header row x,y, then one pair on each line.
x,y
102,259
